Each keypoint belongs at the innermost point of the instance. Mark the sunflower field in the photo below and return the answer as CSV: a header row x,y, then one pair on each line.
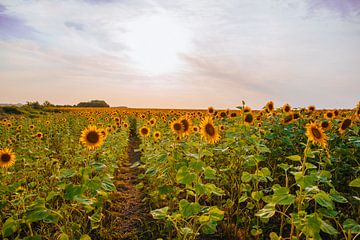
x,y
112,173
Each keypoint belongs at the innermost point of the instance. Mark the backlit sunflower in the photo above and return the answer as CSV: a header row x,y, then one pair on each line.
x,y
177,127
39,135
209,131
91,137
211,110
7,158
246,109
345,124
195,129
144,131
316,134
312,108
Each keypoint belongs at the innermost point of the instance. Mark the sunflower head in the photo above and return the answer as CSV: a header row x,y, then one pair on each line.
x,y
186,125
144,131
286,108
329,115
345,124
326,125
270,106
311,108
208,130
249,118
195,129
211,110
157,135
233,114
39,135
288,119
315,133
7,158
177,127
91,137
296,115
246,109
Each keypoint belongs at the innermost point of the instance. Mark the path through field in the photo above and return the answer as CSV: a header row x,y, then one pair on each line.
x,y
125,217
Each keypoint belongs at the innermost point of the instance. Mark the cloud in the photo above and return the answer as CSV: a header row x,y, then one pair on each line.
x,y
345,9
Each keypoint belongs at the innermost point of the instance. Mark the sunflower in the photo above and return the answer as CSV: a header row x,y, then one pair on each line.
x,y
223,114
195,129
296,115
209,131
329,115
186,123
357,113
286,108
91,137
249,118
177,127
326,125
345,124
32,127
126,125
144,131
157,135
246,109
288,119
316,134
233,114
312,108
270,106
152,121
105,132
211,110
7,158
39,135
222,127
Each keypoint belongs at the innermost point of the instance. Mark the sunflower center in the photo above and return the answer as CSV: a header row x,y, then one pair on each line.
x,y
5,157
185,123
92,137
248,118
210,130
325,124
346,124
288,118
177,126
144,131
316,133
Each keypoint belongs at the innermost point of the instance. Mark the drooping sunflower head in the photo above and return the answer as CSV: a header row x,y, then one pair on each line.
x,y
177,127
7,158
144,131
315,134
91,137
208,130
286,108
345,124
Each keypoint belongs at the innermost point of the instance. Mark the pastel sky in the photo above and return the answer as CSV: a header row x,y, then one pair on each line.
x,y
181,54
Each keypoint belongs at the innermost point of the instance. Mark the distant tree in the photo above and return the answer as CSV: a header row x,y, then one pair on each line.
x,y
47,104
34,105
93,103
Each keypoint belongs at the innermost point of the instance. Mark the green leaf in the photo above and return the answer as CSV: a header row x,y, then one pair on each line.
x,y
267,212
197,165
188,209
160,213
328,228
285,199
67,173
245,177
304,181
209,227
210,188
72,190
323,199
183,176
216,214
257,195
63,236
351,225
85,237
266,172
296,158
10,227
209,173
108,185
274,236
355,183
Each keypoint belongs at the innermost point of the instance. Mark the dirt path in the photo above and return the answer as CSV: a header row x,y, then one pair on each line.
x,y
126,215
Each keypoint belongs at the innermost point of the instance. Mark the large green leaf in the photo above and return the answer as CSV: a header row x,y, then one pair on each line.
x,y
71,191
160,213
189,209
355,183
267,212
183,176
9,227
328,228
324,199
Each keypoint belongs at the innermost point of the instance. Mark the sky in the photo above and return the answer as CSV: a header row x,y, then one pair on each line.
x,y
181,54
